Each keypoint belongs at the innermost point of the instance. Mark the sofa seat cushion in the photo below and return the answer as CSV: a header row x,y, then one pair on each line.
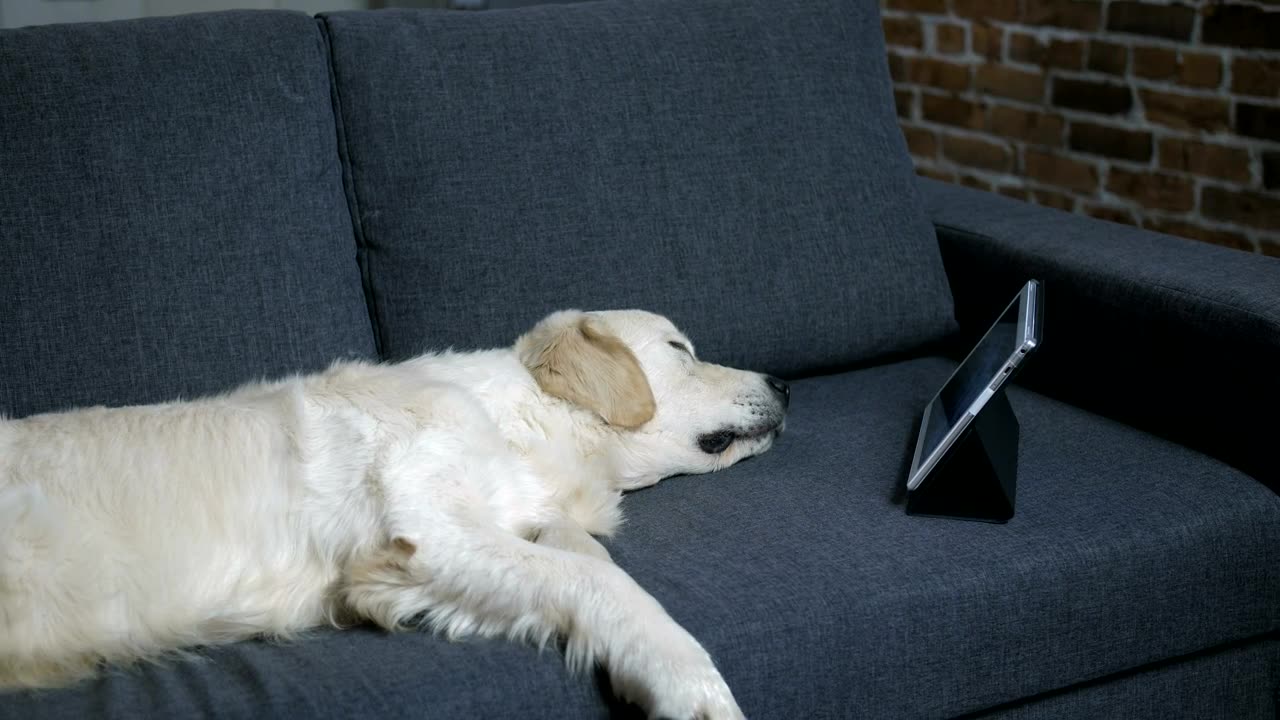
x,y
172,216
819,597
734,164
1235,682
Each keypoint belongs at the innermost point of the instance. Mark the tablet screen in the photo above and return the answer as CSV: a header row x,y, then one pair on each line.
x,y
970,379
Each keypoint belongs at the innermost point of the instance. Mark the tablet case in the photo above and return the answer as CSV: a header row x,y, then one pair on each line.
x,y
978,478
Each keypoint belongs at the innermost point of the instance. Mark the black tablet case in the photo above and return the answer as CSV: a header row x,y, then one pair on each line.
x,y
978,478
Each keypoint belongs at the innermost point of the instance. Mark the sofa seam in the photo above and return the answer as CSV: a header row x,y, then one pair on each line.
x,y
1124,674
1021,253
350,192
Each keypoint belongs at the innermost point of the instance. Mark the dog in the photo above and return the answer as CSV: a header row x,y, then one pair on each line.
x,y
457,491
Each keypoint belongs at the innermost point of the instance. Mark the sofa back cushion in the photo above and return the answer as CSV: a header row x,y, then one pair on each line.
x,y
172,216
734,164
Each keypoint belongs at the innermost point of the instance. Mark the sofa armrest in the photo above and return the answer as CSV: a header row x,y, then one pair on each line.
x,y
1177,337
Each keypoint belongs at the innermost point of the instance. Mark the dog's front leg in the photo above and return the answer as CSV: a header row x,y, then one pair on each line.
x,y
565,534
482,580
453,567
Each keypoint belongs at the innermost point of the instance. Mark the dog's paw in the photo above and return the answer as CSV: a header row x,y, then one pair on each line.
x,y
695,694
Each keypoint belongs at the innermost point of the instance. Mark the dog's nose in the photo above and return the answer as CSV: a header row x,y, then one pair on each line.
x,y
780,387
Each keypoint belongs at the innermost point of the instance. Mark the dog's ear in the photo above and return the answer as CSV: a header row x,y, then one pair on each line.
x,y
574,357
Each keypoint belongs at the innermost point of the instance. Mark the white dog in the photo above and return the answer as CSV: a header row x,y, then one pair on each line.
x,y
456,490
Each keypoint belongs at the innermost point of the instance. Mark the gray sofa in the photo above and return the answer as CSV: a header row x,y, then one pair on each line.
x,y
193,202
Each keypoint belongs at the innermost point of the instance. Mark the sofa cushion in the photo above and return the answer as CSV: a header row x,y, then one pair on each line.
x,y
734,164
819,597
1237,682
172,216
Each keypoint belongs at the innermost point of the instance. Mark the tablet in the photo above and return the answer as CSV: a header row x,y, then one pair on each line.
x,y
1015,334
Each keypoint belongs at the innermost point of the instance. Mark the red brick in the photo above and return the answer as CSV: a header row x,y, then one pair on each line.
x,y
1017,193
1258,121
1056,200
904,32
1006,10
1010,83
1241,26
1156,191
932,7
1199,158
1243,207
936,174
1110,141
949,39
1198,232
952,111
1185,112
921,143
1154,62
897,67
975,182
1255,76
1200,71
1025,48
1173,21
1193,69
988,40
1092,96
1110,58
1271,170
1052,169
1066,54
904,101
1111,213
1064,13
1027,125
977,153
938,73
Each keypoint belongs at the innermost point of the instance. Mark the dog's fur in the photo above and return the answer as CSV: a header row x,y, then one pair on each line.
x,y
456,490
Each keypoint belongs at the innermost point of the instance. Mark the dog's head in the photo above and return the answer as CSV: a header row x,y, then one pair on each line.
x,y
673,414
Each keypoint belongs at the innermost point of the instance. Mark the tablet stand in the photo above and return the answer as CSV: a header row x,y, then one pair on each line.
x,y
977,480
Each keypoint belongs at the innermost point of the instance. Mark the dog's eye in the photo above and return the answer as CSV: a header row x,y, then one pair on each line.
x,y
681,347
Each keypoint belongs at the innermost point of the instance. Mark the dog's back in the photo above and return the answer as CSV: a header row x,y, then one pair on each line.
x,y
180,509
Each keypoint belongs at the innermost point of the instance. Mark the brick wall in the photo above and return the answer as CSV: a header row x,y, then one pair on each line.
x,y
1163,115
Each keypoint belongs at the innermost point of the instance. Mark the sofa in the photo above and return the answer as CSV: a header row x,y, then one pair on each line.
x,y
192,202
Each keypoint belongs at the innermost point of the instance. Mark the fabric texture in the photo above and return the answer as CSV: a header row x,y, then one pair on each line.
x,y
819,597
1236,683
1162,333
172,215
733,164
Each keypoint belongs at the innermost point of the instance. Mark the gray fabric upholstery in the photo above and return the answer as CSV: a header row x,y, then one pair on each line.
x,y
174,200
1235,683
172,217
820,598
1166,334
734,164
